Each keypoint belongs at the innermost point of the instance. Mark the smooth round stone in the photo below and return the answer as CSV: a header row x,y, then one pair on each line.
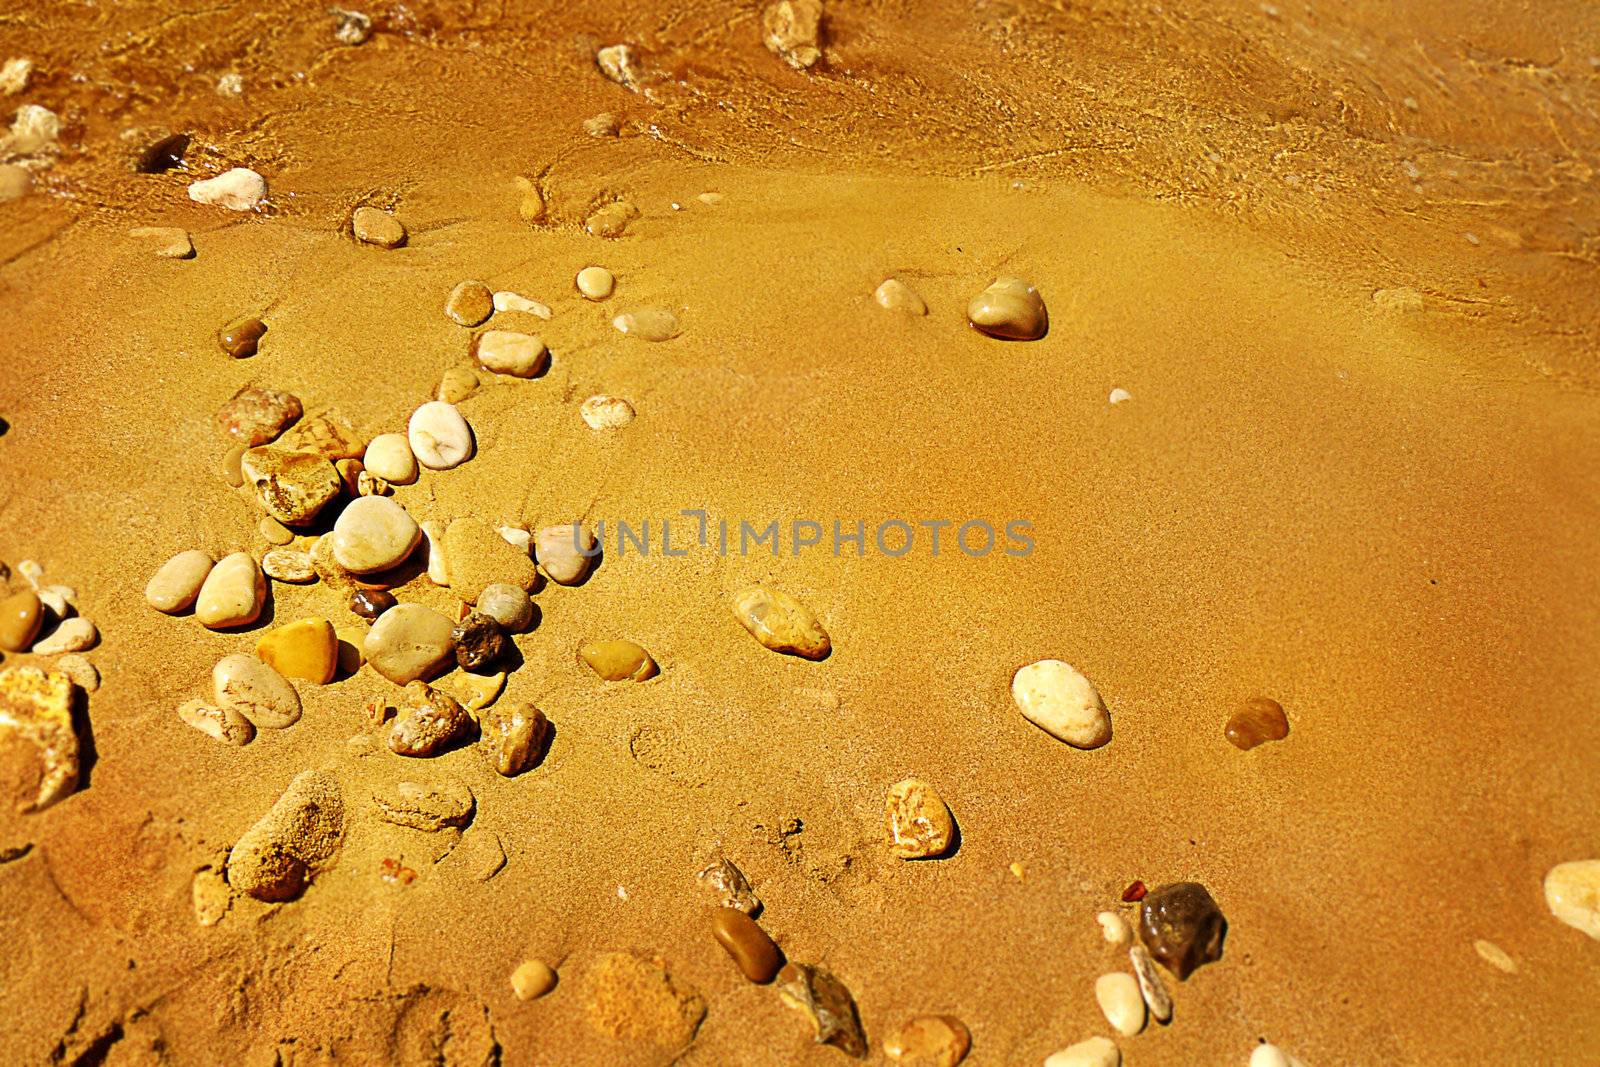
x,y
294,487
532,979
896,295
21,616
520,355
232,594
239,189
469,304
1061,702
1095,1052
73,635
306,649
595,283
620,660
648,323
507,605
256,691
389,456
370,603
566,552
440,438
288,565
1010,309
456,385
1572,892
918,820
222,723
375,227
752,950
177,582
372,534
782,623
408,643
1120,1001
928,1041
274,532
603,412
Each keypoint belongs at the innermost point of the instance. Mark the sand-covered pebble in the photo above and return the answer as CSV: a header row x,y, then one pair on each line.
x,y
299,836
595,283
532,979
610,220
232,594
429,808
604,124
165,242
254,416
1572,892
377,227
928,1041
781,623
36,709
648,323
239,189
732,889
288,565
216,721
530,200
21,617
306,649
479,557
618,660
409,642
636,1000
603,412
917,820
72,635
327,434
14,75
84,675
440,438
896,295
469,304
255,690
566,552
508,605
510,352
514,738
456,384
753,951
1062,702
1095,1052
389,457
293,487
274,532
428,721
1010,309
373,534
176,583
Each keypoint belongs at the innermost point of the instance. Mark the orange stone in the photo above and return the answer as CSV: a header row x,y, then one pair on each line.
x,y
307,649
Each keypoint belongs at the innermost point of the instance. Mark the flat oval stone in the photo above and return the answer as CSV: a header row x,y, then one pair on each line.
x,y
440,438
373,534
1118,995
21,616
595,283
648,323
72,635
389,457
306,649
176,583
566,552
1095,1052
376,227
221,723
232,595
918,820
409,642
782,623
1151,987
620,660
603,412
1182,927
288,565
511,352
743,939
256,691
896,295
1010,309
1260,720
456,385
294,487
469,304
254,416
274,532
429,721
1572,893
507,605
1061,702
506,300
928,1041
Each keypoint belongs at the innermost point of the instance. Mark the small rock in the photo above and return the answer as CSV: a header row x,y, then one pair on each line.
x,y
1010,309
479,641
514,738
1061,702
595,283
476,691
827,1003
306,649
222,723
373,534
409,642
781,623
1151,987
520,355
530,204
374,227
896,295
469,304
566,552
287,565
532,979
21,617
14,75
1182,927
730,885
743,939
457,384
166,242
634,999
274,532
370,603
73,635
239,189
617,661
297,837
230,84
210,896
153,149
479,557
918,820
618,63
611,221
176,583
233,465
33,130
603,412
293,487
440,438
1114,928
1260,720
16,181
507,605
438,573
648,323
928,1041
242,337
36,708
327,434
1572,893
429,721
255,416
255,690
604,124
505,300
1095,1052
80,670
1404,298
1119,396
31,570
427,808
792,31
369,484
232,594
350,27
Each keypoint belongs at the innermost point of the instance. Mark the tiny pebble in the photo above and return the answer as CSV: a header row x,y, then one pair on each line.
x,y
505,300
648,323
1495,956
603,412
530,204
792,31
73,635
611,220
1119,395
619,660
456,385
242,337
375,227
273,531
479,641
288,565
433,533
595,283
1118,995
604,124
617,62
532,979
928,1041
429,721
469,303
1062,702
177,582
896,295
232,469
239,189
1260,720
440,438
517,537
476,691
14,75
59,605
519,355
370,603
31,570
1114,928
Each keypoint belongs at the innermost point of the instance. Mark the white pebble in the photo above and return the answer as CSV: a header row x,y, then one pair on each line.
x,y
231,84
34,129
1062,702
1572,892
595,283
1095,1052
439,436
289,565
65,592
649,324
245,684
73,635
389,457
1268,1056
603,412
438,574
505,300
1119,998
59,606
517,537
1118,395
1114,928
240,189
14,75
896,295
520,355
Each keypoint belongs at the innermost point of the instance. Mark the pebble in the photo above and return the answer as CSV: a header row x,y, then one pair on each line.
x,y
457,384
409,642
57,605
349,649
1095,1052
153,149
389,457
327,434
369,484
648,323
634,999
1260,720
792,31
31,570
36,707
21,616
1182,927
1117,396
617,62
14,75
530,202
514,738
440,438
611,221
293,487
166,242
603,412
34,129
1266,1055
928,1041
1010,309
476,691
1151,987
233,465
469,304
1488,951
376,227
918,820
242,337
730,885
176,583
277,857
350,27
507,605
373,533
604,124
239,189
73,635
370,603
273,531
255,416
210,897
479,641
595,283
566,552
288,565
1062,702
430,809
438,573
1572,892
520,355
827,1003
896,295
255,690
84,675
506,300
782,623
428,722
532,979
232,594
479,557
306,649
743,939
620,660
1114,928
221,723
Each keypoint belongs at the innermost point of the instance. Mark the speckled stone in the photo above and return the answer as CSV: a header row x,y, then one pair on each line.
x,y
254,416
256,691
781,623
469,304
293,487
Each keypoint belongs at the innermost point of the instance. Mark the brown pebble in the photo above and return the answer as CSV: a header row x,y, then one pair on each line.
x,y
1182,927
370,603
514,738
240,338
273,531
747,943
828,1004
928,1041
1261,719
350,472
232,469
469,304
457,384
21,615
620,660
153,149
479,641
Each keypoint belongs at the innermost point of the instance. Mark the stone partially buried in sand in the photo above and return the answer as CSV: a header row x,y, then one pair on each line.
x,y
928,1041
440,438
293,487
1062,702
603,412
221,723
239,189
373,534
1095,1052
306,649
1011,310
827,1002
376,227
792,31
1572,893
781,623
232,594
510,352
296,838
514,738
469,304
507,605
917,820
36,711
166,242
479,557
327,434
176,583
409,642
254,416
635,999
896,295
255,690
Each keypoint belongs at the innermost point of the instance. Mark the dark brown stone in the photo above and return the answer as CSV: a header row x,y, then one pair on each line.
x,y
479,641
370,603
1182,927
1261,719
240,338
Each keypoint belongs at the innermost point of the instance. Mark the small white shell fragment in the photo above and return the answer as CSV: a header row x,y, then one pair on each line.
x,y
1495,956
1119,998
1095,1052
59,605
14,75
1118,395
617,63
1572,892
1114,928
239,189
506,300
595,283
603,412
